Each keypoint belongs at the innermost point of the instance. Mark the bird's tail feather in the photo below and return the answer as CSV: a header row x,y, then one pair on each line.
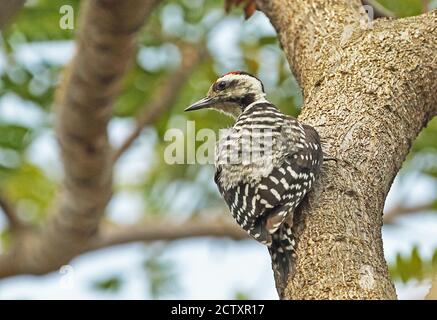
x,y
282,252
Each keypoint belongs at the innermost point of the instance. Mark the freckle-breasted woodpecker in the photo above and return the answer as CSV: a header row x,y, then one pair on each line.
x,y
265,165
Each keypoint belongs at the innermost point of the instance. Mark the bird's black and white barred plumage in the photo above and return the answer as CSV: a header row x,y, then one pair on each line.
x,y
265,165
263,193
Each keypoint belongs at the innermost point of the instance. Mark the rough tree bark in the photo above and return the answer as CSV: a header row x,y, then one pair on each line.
x,y
369,88
432,294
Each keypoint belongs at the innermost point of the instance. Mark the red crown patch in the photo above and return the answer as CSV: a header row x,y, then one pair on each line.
x,y
237,72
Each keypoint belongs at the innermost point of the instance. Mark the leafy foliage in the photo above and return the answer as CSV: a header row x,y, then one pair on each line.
x,y
46,12
111,284
30,190
404,8
14,137
161,276
239,295
413,266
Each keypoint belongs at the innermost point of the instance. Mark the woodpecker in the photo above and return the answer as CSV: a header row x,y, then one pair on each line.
x,y
265,165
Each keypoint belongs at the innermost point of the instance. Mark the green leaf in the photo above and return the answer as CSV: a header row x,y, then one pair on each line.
x,y
36,85
14,136
268,40
28,187
427,139
241,296
404,8
46,12
161,276
416,264
7,171
413,266
112,284
401,268
434,262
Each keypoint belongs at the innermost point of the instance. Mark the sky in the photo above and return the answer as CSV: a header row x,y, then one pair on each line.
x,y
206,268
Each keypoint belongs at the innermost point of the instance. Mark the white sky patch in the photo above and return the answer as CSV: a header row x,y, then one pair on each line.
x,y
410,188
257,26
419,229
57,52
44,152
119,130
224,44
166,56
219,270
172,19
126,207
270,60
412,290
134,163
15,110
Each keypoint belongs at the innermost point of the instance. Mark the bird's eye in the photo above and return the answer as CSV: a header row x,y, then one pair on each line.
x,y
221,85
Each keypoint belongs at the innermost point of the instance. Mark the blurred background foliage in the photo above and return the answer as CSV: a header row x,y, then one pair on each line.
x,y
30,80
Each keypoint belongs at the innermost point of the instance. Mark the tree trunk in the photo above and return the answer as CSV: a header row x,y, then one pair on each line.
x,y
432,294
369,88
8,9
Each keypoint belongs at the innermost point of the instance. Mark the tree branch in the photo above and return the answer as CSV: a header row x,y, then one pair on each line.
x,y
106,42
401,210
369,89
432,294
162,229
14,222
8,9
205,224
166,96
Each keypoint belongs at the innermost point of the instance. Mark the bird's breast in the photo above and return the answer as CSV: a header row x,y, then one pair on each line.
x,y
245,155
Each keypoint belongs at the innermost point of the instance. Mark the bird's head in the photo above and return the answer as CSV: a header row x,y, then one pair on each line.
x,y
231,93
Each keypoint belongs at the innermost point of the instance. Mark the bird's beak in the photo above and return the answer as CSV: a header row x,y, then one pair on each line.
x,y
201,104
